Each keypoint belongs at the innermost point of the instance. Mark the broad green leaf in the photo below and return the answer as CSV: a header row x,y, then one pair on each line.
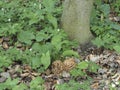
x,y
77,72
49,5
56,41
83,65
40,48
1,2
52,20
41,36
26,37
36,84
36,47
20,87
37,81
105,8
10,83
115,26
117,48
36,62
98,41
70,53
93,67
35,17
16,27
45,59
2,86
4,61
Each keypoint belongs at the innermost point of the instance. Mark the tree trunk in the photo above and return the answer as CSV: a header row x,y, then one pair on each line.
x,y
76,19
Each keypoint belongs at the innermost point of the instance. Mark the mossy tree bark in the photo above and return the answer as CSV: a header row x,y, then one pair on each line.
x,y
76,19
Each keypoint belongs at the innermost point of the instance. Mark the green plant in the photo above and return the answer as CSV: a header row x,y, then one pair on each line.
x,y
83,67
107,32
113,88
10,84
70,53
34,24
4,62
73,85
37,84
80,71
20,87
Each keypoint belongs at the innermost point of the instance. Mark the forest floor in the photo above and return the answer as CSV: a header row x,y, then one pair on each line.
x,y
109,72
107,75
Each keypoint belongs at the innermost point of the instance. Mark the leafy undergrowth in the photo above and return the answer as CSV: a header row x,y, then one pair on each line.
x,y
35,54
71,73
105,24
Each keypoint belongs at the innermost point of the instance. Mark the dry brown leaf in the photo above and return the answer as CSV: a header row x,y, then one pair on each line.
x,y
27,68
1,40
118,61
19,45
2,79
25,74
6,39
5,45
95,85
35,74
47,72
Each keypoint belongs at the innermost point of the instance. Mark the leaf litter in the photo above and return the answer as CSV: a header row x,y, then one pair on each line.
x,y
108,73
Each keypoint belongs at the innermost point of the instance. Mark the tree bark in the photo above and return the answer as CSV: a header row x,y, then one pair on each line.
x,y
76,19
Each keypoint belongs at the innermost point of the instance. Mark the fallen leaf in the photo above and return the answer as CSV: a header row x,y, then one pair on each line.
x,y
65,74
25,74
60,81
5,74
118,61
1,40
6,39
2,79
5,45
95,85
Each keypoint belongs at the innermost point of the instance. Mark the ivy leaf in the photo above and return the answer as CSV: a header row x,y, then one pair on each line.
x,y
45,59
26,37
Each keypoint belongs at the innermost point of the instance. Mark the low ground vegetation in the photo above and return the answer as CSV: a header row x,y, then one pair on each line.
x,y
33,47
